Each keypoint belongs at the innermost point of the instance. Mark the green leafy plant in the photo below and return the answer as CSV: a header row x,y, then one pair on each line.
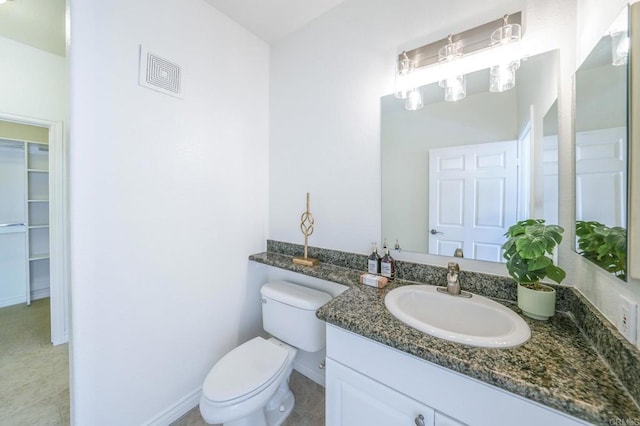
x,y
530,243
604,246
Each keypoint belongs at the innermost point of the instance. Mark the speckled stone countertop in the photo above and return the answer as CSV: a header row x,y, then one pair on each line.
x,y
557,367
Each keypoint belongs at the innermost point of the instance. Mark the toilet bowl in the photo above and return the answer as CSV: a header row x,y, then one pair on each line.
x,y
249,386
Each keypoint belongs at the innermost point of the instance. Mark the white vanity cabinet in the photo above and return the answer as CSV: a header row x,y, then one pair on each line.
x,y
368,383
354,399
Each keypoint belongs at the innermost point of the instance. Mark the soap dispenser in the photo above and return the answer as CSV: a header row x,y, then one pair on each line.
x,y
374,260
387,264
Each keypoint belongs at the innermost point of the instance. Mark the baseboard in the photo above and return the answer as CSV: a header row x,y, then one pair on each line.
x,y
12,301
40,294
35,295
65,339
176,411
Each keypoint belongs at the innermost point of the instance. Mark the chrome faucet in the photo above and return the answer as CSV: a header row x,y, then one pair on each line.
x,y
453,284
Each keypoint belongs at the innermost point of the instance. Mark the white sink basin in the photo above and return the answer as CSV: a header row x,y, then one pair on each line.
x,y
476,321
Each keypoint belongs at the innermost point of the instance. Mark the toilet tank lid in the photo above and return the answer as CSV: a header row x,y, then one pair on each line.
x,y
295,295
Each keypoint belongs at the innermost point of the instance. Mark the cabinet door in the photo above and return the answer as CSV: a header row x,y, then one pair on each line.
x,y
357,400
444,420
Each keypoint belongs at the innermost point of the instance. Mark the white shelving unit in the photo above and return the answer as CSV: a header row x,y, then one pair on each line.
x,y
37,191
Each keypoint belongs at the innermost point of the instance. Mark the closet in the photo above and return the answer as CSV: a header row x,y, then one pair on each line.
x,y
24,215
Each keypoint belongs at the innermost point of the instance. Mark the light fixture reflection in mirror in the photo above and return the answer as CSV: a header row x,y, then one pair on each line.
x,y
457,175
601,152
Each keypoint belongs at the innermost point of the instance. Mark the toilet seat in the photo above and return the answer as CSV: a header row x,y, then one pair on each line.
x,y
244,372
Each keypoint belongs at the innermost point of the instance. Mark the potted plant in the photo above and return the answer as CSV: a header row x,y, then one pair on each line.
x,y
530,243
604,246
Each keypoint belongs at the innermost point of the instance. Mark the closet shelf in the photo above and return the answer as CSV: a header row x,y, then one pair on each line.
x,y
39,256
38,201
38,226
38,171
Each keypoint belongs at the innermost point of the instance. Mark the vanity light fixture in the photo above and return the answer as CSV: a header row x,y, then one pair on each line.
x,y
447,65
502,76
404,68
454,83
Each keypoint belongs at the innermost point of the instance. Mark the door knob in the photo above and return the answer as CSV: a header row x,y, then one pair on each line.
x,y
435,231
419,420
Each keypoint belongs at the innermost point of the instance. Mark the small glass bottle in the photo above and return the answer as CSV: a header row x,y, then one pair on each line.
x,y
388,265
374,260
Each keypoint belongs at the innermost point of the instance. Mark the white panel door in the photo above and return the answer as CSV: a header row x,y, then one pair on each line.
x,y
601,176
13,247
473,196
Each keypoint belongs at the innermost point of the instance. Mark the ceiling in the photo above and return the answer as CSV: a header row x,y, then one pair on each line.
x,y
272,20
37,23
41,23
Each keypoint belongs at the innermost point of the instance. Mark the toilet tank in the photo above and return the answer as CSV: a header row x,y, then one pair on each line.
x,y
289,314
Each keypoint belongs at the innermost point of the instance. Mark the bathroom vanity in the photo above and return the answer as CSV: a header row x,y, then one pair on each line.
x,y
381,371
369,383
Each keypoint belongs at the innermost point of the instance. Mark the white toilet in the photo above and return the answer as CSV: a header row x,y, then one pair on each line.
x,y
249,386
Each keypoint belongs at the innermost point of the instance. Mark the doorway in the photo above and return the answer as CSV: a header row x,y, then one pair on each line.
x,y
37,244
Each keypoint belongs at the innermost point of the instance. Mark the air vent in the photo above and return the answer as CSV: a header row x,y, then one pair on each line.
x,y
159,74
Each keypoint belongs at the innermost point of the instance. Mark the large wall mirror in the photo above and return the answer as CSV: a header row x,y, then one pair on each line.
x,y
456,175
601,151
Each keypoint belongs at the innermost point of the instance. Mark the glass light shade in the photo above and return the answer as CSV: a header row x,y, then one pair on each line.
x,y
404,67
503,77
450,52
454,83
619,48
508,33
455,88
414,99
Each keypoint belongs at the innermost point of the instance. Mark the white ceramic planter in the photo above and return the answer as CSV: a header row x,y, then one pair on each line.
x,y
540,305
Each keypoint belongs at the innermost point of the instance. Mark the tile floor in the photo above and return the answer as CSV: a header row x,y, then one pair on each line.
x,y
308,410
34,374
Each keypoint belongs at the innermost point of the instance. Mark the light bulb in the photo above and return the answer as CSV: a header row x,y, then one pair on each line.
x,y
414,99
455,89
404,68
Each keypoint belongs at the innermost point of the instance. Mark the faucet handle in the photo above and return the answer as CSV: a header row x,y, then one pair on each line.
x,y
453,268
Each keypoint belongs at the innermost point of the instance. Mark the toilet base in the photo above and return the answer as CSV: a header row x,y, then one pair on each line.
x,y
280,406
274,413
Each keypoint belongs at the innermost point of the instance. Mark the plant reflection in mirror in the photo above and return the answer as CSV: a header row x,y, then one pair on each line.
x,y
604,246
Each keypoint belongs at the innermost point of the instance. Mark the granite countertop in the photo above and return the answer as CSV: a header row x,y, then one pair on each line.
x,y
557,367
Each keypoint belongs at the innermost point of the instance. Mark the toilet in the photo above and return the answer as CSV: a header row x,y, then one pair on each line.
x,y
249,386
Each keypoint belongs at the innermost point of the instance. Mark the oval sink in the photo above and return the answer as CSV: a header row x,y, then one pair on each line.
x,y
475,321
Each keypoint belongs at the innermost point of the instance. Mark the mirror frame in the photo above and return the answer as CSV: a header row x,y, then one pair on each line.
x,y
633,217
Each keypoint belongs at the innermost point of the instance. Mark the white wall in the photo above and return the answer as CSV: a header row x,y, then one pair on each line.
x,y
168,198
33,82
326,81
